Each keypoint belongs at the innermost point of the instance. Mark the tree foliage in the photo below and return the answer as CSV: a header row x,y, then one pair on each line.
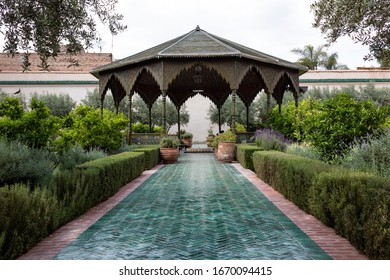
x,y
226,112
366,21
60,105
43,25
34,128
313,58
332,125
87,128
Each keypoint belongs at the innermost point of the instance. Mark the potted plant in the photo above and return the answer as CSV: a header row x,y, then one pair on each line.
x,y
169,149
210,138
224,146
187,139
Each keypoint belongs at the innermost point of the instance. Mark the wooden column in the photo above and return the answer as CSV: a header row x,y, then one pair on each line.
x,y
164,112
219,119
268,108
130,115
150,118
178,122
234,111
247,118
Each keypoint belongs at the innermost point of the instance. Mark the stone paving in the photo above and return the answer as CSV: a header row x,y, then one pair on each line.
x,y
197,208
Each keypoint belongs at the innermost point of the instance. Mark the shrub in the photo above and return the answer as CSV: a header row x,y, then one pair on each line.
x,y
341,120
187,135
144,128
292,122
35,128
76,155
228,136
26,217
240,128
152,155
370,155
169,142
303,150
93,131
357,205
268,139
290,175
114,171
60,105
245,155
21,164
332,125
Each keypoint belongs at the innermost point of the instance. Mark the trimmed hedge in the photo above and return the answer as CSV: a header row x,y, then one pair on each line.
x,y
26,217
356,204
291,175
152,155
244,155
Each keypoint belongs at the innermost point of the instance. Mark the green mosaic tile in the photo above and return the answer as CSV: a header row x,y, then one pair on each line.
x,y
197,208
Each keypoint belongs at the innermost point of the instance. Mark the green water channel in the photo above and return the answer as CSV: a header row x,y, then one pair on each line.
x,y
194,209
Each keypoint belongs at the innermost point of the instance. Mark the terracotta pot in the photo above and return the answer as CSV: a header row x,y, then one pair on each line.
x,y
169,155
187,142
226,150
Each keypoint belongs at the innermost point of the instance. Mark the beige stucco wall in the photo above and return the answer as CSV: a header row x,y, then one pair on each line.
x,y
75,84
341,78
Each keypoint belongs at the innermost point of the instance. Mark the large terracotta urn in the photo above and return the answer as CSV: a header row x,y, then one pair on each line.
x,y
226,151
169,155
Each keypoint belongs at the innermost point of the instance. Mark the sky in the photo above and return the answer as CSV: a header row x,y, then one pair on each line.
x,y
274,27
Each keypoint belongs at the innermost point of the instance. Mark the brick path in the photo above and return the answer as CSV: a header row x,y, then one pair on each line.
x,y
335,246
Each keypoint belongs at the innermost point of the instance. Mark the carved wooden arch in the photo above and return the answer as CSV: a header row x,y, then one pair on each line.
x,y
172,69
291,77
250,84
198,77
285,83
112,82
103,84
147,86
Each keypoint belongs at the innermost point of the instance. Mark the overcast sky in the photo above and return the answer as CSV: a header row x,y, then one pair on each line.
x,y
270,26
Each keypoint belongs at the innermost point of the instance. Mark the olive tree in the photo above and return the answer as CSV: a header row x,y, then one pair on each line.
x,y
43,25
366,21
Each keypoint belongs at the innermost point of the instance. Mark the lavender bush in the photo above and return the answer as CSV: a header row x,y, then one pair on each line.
x,y
269,139
370,155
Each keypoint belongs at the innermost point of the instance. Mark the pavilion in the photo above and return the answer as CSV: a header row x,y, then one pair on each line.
x,y
198,63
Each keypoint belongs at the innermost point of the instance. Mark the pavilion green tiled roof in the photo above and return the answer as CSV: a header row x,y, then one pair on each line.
x,y
197,44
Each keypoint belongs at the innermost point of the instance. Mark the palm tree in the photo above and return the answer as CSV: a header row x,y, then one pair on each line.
x,y
311,57
330,63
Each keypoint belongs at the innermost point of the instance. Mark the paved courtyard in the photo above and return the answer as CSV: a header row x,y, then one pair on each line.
x,y
197,208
